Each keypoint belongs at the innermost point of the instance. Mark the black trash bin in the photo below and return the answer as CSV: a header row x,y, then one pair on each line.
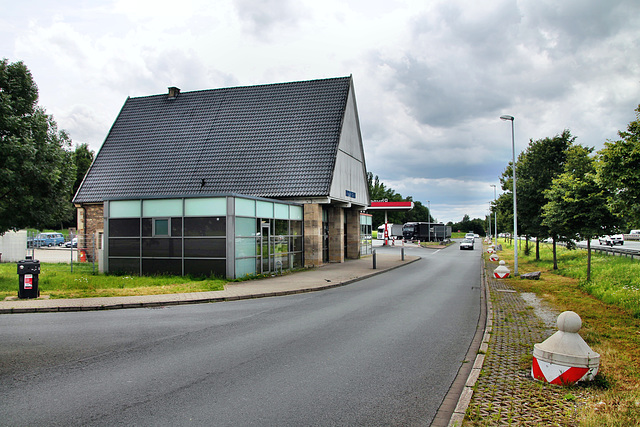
x,y
28,271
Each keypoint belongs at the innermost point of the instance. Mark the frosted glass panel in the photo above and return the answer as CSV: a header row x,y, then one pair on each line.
x,y
124,209
162,207
208,206
264,209
245,226
245,207
282,211
245,267
245,246
296,212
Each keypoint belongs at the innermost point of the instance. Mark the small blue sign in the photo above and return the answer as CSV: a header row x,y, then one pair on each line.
x,y
351,194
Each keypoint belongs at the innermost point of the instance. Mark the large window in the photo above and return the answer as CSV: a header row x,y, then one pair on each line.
x,y
189,236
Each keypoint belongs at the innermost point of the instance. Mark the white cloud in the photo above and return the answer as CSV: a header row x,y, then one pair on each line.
x,y
431,78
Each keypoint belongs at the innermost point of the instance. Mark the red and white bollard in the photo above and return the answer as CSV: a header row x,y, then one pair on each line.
x,y
565,358
501,272
494,257
491,249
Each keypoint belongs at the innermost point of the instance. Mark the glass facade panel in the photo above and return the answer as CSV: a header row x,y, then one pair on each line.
x,y
124,266
205,248
124,227
176,227
281,227
281,211
206,206
245,246
280,244
147,227
124,209
162,248
205,267
296,212
245,207
264,209
296,244
296,228
205,226
162,207
245,267
162,266
245,226
297,260
124,247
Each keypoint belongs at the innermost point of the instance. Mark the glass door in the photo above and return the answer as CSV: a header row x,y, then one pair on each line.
x,y
265,247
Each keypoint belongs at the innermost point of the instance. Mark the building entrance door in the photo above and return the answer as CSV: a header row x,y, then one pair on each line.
x,y
265,247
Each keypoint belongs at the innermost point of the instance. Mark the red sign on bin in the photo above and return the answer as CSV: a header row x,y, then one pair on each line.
x,y
28,281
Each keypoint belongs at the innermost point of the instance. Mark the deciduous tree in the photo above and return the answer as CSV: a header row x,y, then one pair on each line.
x,y
619,170
577,203
36,167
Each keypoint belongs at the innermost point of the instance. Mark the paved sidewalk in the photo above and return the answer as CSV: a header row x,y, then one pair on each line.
x,y
327,276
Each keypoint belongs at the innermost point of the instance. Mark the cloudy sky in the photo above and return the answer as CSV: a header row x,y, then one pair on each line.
x,y
431,77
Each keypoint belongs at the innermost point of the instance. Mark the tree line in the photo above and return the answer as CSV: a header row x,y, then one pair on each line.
x,y
567,192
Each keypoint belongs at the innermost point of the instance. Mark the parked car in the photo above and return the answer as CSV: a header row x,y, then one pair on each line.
x,y
48,239
73,242
634,232
613,239
466,244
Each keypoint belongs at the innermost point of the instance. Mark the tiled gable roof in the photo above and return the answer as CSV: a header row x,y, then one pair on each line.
x,y
275,141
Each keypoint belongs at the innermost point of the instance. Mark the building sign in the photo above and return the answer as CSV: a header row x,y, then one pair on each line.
x,y
351,194
391,205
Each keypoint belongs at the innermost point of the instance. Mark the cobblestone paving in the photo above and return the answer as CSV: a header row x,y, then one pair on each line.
x,y
505,394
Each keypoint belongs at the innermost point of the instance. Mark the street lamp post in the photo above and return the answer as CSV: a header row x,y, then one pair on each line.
x,y
495,215
515,210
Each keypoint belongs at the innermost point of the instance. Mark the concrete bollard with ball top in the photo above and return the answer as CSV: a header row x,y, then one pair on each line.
x,y
565,358
501,272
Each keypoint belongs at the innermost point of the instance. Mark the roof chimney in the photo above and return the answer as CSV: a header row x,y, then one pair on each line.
x,y
174,92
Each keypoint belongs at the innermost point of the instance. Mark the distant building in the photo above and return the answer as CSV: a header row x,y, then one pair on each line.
x,y
231,181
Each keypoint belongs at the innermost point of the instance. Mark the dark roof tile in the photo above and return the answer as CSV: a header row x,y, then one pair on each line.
x,y
277,140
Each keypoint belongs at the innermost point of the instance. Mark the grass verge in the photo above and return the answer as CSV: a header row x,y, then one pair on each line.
x,y
57,281
609,306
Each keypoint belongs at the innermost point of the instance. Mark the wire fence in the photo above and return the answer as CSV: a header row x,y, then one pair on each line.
x,y
73,249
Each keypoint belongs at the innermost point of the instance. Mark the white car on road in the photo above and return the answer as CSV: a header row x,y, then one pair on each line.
x,y
613,239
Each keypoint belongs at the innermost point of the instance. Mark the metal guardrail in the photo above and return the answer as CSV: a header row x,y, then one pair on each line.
x,y
612,250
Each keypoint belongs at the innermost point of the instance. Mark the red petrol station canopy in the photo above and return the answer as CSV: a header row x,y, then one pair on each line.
x,y
391,205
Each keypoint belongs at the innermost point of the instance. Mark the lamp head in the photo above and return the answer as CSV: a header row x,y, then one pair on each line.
x,y
506,117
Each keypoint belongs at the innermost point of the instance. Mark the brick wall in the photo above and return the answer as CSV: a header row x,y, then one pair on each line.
x,y
353,233
336,234
312,235
90,223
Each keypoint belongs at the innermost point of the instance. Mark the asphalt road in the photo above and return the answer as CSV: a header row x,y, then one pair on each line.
x,y
382,351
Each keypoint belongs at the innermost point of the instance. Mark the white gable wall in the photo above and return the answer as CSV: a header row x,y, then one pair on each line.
x,y
349,174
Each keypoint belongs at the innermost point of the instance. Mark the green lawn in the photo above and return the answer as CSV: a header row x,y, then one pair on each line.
x,y
57,281
614,279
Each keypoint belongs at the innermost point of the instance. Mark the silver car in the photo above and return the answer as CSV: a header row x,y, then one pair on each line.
x,y
466,244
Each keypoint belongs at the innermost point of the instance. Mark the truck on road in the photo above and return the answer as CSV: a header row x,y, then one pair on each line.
x,y
394,230
424,231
